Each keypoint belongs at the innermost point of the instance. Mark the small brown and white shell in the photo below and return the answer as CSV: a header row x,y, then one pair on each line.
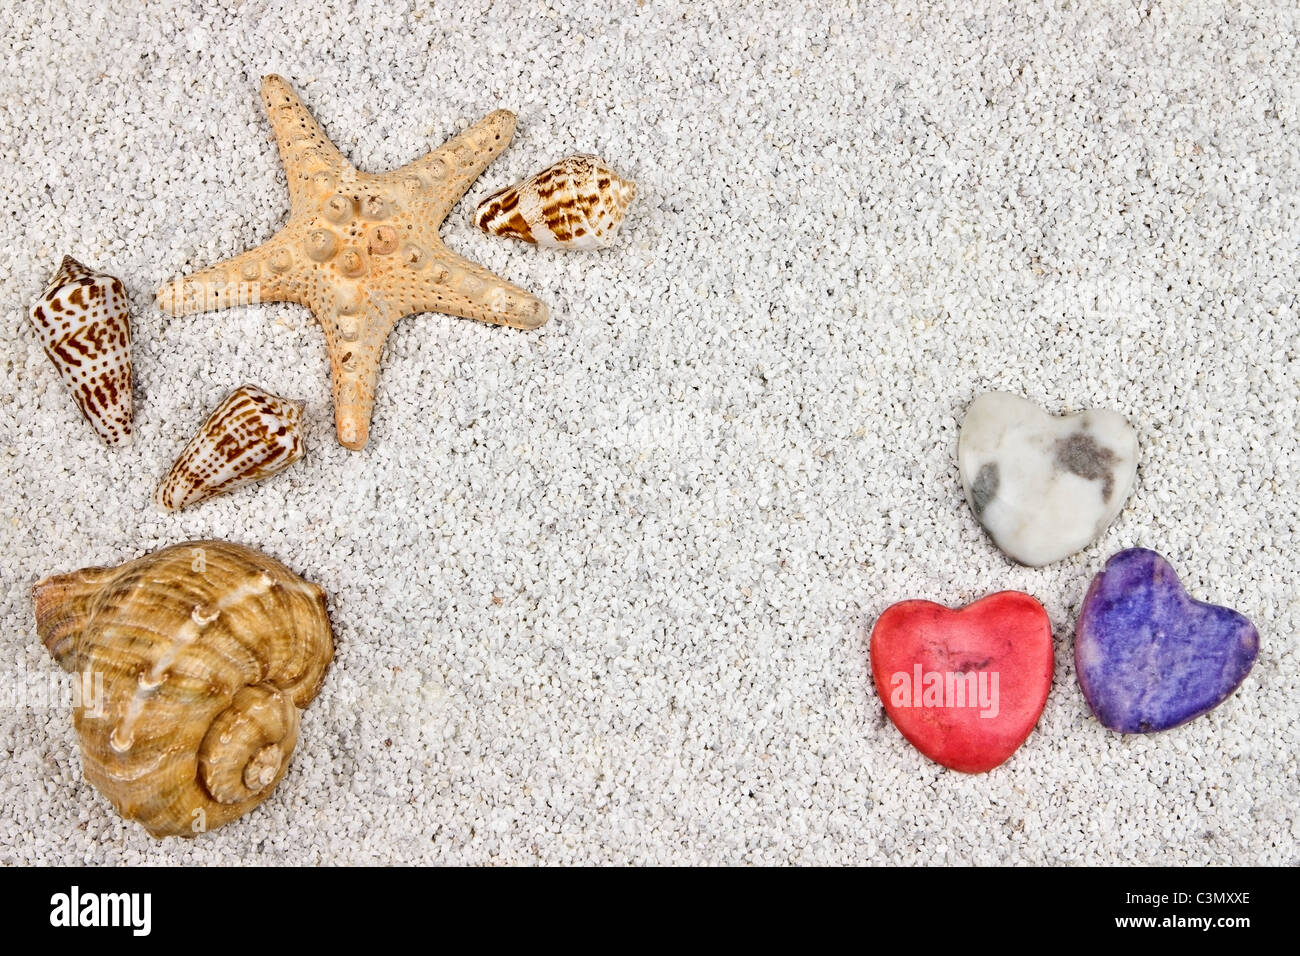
x,y
251,435
578,203
84,325
195,661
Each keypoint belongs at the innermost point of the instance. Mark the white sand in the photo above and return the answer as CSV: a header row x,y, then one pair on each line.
x,y
602,592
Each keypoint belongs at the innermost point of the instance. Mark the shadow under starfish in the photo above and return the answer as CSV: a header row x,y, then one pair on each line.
x,y
362,250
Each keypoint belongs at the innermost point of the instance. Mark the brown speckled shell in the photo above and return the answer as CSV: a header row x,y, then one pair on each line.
x,y
83,323
250,436
577,203
205,653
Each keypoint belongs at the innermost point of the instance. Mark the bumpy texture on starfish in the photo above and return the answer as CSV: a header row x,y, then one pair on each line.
x,y
362,251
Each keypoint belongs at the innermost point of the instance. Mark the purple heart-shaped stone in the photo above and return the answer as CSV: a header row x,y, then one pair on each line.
x,y
1149,657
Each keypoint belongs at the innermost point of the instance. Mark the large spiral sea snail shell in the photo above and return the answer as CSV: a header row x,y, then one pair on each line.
x,y
205,652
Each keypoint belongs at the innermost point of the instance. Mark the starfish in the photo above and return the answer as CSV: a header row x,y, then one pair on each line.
x,y
363,250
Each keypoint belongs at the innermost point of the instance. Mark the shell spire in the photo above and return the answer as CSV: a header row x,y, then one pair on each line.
x,y
251,435
195,661
84,325
577,203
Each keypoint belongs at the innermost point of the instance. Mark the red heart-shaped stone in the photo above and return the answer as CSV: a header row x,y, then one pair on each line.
x,y
965,686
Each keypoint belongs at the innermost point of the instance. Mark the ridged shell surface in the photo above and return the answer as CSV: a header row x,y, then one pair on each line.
x,y
578,203
251,435
198,657
83,323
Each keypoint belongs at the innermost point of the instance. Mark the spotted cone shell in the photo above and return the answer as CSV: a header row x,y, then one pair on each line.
x,y
578,203
251,435
194,662
83,324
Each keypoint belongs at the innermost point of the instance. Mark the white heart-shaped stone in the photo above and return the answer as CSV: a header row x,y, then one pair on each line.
x,y
1043,487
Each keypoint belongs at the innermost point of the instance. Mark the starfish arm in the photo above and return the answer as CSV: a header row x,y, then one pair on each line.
x,y
355,332
454,285
263,274
446,173
312,164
